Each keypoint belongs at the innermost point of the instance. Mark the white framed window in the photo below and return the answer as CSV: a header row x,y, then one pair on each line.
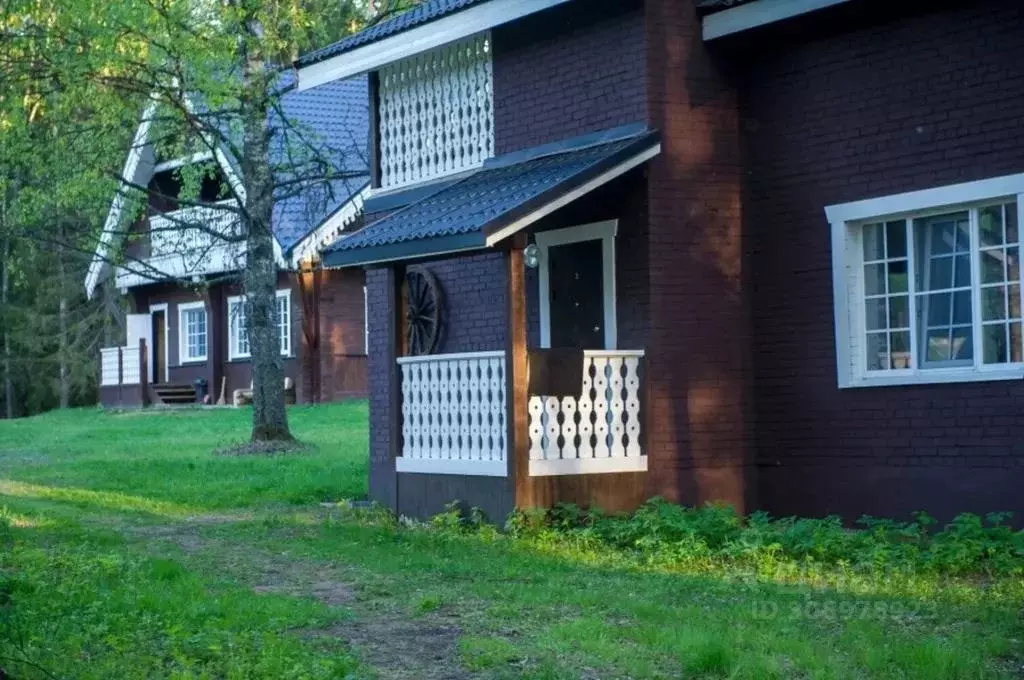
x,y
366,322
238,328
238,331
192,332
284,320
436,112
927,285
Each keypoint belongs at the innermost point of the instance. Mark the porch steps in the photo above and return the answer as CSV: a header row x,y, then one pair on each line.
x,y
175,394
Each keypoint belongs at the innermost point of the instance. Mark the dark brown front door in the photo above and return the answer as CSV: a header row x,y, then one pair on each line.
x,y
576,285
159,346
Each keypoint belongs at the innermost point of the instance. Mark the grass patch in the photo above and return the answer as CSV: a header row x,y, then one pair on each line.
x,y
128,550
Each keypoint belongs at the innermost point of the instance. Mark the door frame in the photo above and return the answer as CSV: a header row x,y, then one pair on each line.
x,y
596,231
162,307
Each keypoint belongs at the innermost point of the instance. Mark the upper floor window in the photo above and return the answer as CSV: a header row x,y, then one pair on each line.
x,y
933,293
436,113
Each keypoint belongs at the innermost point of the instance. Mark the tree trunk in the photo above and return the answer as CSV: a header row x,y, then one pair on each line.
x,y
269,417
4,293
64,375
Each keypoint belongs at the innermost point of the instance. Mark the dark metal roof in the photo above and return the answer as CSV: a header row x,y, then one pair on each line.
x,y
333,120
462,215
422,13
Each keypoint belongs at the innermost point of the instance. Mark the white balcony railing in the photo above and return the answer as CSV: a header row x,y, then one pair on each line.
x,y
120,366
454,414
178,250
597,431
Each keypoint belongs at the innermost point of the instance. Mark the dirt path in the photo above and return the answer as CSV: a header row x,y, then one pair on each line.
x,y
393,643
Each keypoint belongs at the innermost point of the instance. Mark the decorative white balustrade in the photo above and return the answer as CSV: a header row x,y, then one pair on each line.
x,y
437,112
173,234
454,414
597,431
120,366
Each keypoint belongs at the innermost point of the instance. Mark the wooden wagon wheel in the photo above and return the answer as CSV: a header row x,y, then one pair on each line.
x,y
422,311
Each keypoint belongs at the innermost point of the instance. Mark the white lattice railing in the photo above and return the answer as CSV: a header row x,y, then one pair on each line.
x,y
172,233
436,112
454,414
597,431
120,366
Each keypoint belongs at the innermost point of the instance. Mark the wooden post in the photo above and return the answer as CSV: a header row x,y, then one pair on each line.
x,y
143,372
120,375
517,376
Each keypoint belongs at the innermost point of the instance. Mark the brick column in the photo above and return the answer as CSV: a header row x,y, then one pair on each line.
x,y
699,363
383,384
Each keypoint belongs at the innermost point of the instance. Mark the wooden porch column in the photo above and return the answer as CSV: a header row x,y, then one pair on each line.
x,y
517,377
143,373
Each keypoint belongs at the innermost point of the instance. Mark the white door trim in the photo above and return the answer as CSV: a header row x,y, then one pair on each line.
x,y
162,307
603,231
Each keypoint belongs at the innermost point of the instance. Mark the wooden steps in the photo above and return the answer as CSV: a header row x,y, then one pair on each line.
x,y
175,394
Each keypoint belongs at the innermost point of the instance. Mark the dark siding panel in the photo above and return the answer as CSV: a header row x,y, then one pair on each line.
x,y
564,72
423,496
917,103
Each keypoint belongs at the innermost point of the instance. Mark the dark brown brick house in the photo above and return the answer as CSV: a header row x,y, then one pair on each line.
x,y
760,251
186,320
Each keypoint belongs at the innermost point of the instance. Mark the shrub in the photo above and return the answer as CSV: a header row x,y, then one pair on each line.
x,y
664,533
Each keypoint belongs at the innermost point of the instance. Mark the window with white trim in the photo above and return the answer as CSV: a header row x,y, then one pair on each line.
x,y
436,112
933,292
238,331
284,320
192,332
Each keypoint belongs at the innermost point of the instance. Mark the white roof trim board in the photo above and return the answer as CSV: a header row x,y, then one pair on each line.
x,y
425,37
759,13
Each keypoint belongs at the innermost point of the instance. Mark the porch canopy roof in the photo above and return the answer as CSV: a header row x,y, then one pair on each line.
x,y
506,195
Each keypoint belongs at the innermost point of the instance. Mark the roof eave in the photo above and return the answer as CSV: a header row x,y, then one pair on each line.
x,y
404,250
758,13
421,38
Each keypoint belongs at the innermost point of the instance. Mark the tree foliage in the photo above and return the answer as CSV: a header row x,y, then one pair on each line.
x,y
76,75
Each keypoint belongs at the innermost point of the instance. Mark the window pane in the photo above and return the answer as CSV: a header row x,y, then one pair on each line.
x,y
874,279
942,236
1011,223
992,269
940,273
937,309
962,307
962,348
993,338
877,352
898,277
899,311
874,317
962,271
993,303
874,246
1013,301
1012,264
896,240
1016,349
937,347
990,225
899,344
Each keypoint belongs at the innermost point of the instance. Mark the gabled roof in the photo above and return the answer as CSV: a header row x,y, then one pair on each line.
x,y
506,195
422,13
333,120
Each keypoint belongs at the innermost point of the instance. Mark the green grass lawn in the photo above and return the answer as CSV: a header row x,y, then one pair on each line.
x,y
128,550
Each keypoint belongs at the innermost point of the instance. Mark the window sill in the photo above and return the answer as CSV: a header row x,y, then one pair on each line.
x,y
247,359
193,362
938,377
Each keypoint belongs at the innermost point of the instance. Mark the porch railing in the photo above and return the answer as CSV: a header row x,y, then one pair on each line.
x,y
592,428
121,365
454,414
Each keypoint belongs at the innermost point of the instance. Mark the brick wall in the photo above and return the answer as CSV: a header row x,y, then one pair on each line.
x,y
382,383
570,70
913,103
475,312
700,437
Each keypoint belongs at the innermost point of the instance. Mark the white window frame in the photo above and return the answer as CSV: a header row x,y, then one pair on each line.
x,y
183,357
233,337
233,352
846,219
285,293
598,231
366,322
